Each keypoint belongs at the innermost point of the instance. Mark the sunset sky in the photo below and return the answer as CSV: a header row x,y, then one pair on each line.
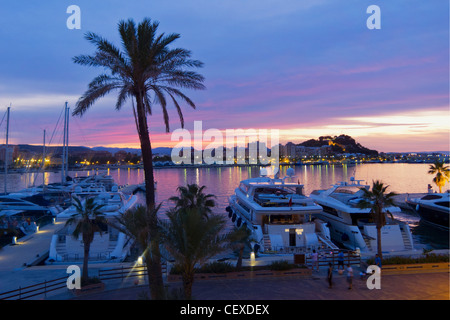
x,y
308,68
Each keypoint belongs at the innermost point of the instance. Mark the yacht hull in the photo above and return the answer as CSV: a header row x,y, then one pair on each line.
x,y
436,216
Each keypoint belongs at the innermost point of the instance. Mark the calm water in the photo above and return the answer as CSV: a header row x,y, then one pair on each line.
x,y
402,178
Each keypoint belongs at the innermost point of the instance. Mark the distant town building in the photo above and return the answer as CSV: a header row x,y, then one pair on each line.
x,y
120,155
9,153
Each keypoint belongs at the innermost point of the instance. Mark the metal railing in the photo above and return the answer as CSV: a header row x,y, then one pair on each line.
x,y
48,286
35,289
350,257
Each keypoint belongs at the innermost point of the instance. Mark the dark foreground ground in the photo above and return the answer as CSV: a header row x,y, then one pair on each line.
x,y
424,286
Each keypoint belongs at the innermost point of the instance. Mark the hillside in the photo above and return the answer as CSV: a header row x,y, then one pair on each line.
x,y
339,144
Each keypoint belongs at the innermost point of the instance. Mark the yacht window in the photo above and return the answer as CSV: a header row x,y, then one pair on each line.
x,y
347,190
445,204
330,210
285,219
243,206
243,187
10,200
431,197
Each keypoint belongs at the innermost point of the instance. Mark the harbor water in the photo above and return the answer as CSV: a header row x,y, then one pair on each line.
x,y
402,178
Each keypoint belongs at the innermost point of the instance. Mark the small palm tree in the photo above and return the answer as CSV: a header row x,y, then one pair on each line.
x,y
136,224
442,173
192,196
87,220
191,240
239,239
377,200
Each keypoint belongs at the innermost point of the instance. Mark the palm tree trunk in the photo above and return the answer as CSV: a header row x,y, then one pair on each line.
x,y
239,261
379,242
87,249
154,267
188,281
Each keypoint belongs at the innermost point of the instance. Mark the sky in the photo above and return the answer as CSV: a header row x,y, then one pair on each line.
x,y
305,68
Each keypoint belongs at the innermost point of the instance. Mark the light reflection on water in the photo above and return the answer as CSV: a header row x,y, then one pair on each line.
x,y
221,181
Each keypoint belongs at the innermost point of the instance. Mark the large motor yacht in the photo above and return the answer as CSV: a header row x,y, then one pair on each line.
x,y
433,208
352,227
281,218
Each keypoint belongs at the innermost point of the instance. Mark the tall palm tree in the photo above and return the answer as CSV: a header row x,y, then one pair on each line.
x,y
87,220
136,224
377,200
442,173
148,72
190,239
192,196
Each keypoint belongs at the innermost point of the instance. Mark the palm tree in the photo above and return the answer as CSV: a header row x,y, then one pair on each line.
x,y
146,71
239,239
442,173
377,200
192,196
190,239
87,220
136,224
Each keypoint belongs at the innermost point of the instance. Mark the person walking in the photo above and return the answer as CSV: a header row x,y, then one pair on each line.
x,y
330,275
349,277
341,260
378,261
315,261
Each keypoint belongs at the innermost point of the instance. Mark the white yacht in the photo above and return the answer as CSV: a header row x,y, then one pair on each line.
x,y
109,246
279,216
433,208
350,225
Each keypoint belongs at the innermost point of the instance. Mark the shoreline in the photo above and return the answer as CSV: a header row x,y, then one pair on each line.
x,y
194,166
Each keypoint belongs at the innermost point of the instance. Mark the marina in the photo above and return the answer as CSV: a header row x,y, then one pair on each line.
x,y
46,250
404,179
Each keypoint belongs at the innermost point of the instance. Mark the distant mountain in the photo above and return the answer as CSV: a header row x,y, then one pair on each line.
x,y
81,149
49,149
160,150
114,150
421,152
339,144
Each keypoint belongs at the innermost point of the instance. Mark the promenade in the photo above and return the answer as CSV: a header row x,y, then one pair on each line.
x,y
423,286
14,273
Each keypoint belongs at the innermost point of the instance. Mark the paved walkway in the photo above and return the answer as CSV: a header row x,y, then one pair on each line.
x,y
13,274
15,257
425,286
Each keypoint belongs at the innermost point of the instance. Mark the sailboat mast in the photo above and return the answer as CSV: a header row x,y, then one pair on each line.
x,y
63,157
6,147
43,164
67,141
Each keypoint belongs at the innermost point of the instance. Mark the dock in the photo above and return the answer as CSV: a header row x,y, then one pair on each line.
x,y
28,249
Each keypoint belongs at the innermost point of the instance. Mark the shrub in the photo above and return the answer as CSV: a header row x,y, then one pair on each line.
x,y
212,267
429,258
92,280
281,265
217,267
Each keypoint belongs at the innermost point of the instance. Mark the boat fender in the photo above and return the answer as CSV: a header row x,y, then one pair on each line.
x,y
238,222
233,218
417,207
230,214
228,209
